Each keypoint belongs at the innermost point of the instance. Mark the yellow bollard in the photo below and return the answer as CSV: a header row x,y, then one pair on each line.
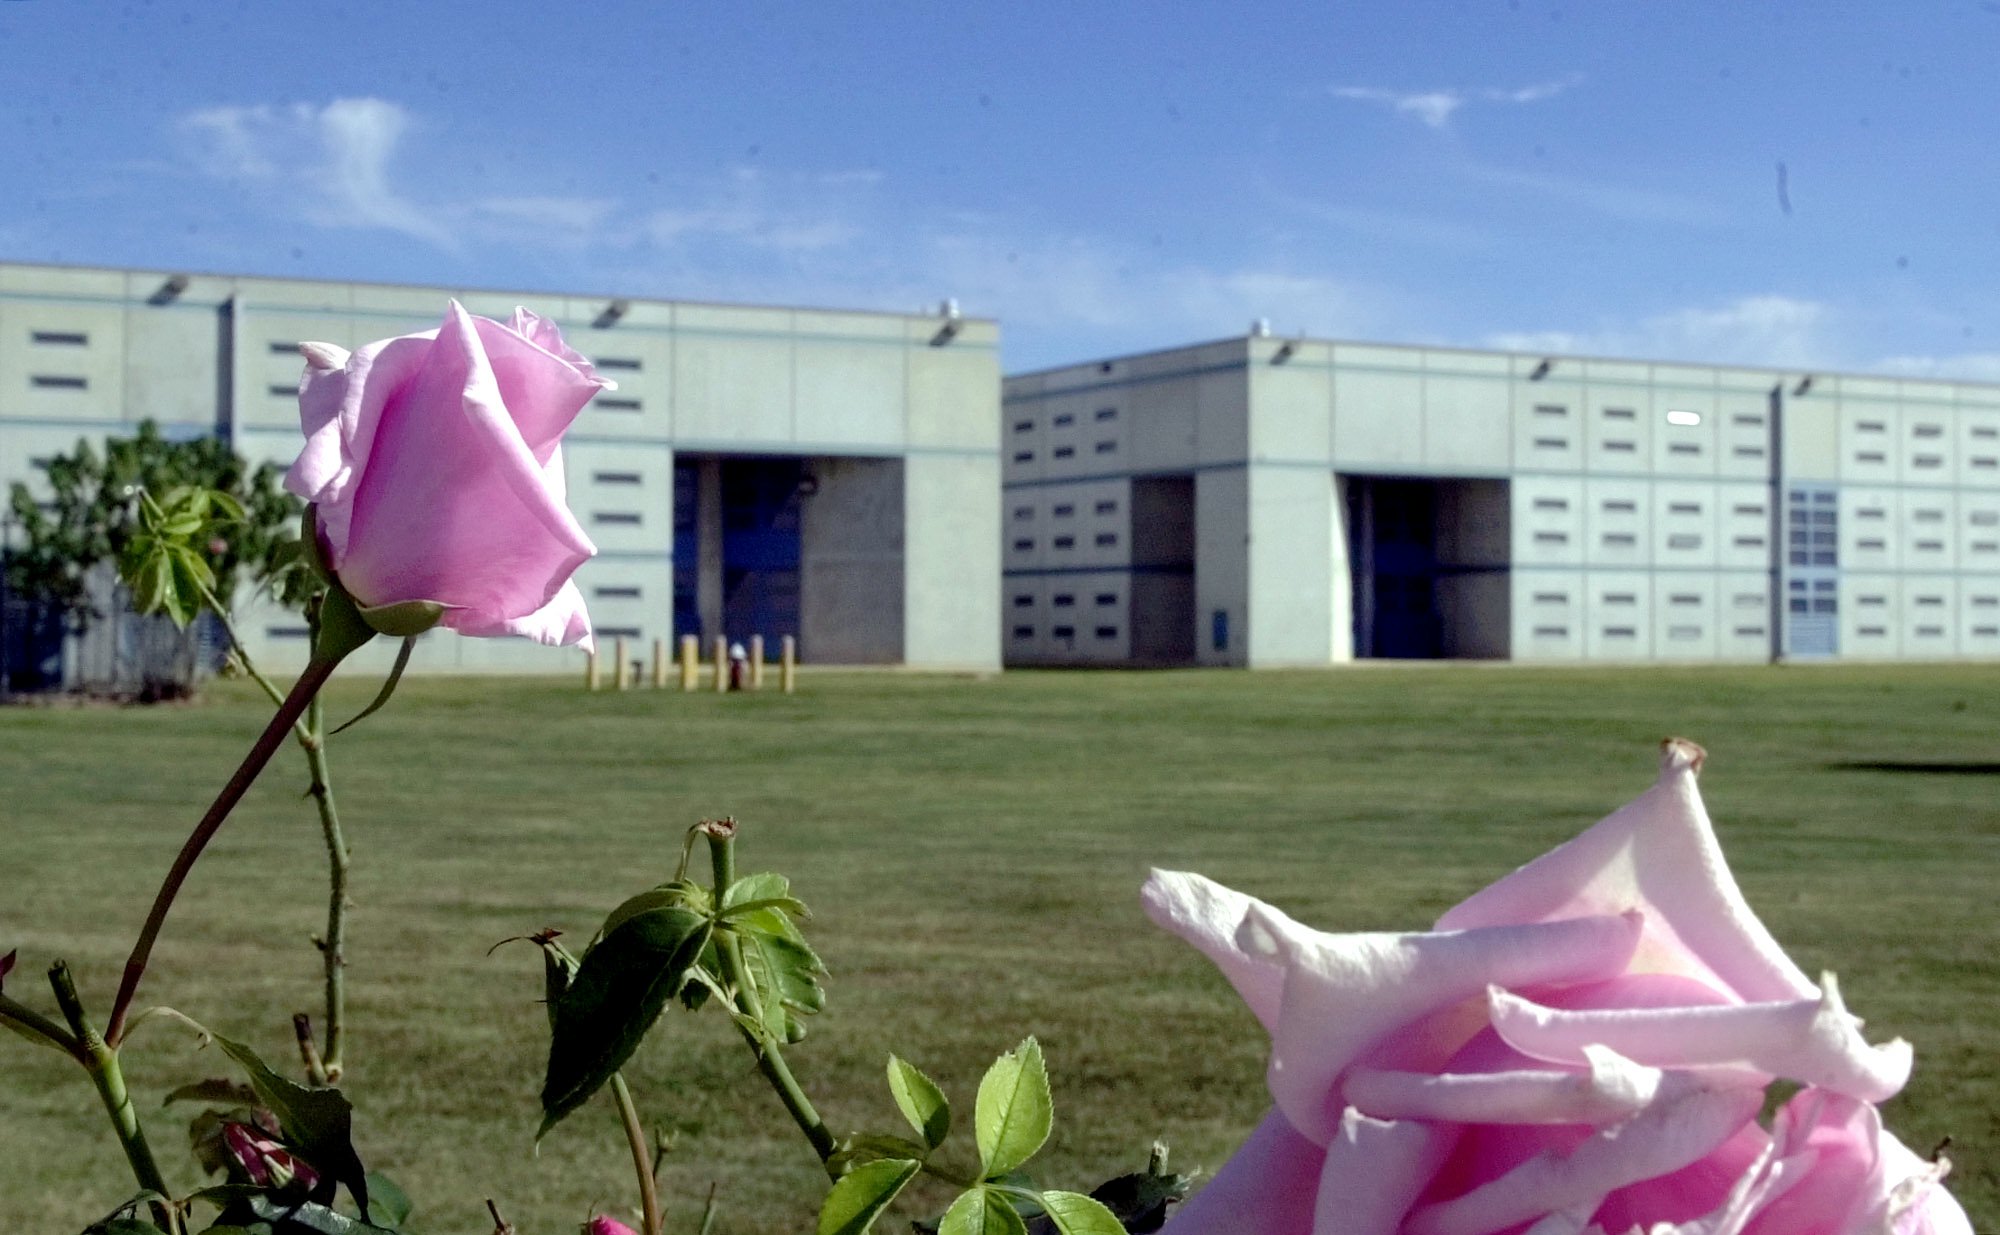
x,y
621,670
590,670
756,662
788,665
659,663
690,662
721,664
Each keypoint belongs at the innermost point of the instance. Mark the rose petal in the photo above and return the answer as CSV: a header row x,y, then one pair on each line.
x,y
560,623
340,411
1344,992
1665,1138
1207,914
1375,1171
1816,1042
1658,854
1612,1090
1267,1187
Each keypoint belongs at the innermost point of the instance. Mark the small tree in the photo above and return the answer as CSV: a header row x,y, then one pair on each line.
x,y
94,521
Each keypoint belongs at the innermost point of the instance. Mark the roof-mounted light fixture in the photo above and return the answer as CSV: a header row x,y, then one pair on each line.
x,y
1805,384
953,322
1287,350
1542,370
609,315
169,291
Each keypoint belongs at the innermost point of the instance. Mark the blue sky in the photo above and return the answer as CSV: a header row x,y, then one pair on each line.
x,y
1103,177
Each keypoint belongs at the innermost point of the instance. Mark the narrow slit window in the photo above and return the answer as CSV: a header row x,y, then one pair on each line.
x,y
618,405
616,478
624,364
51,381
61,338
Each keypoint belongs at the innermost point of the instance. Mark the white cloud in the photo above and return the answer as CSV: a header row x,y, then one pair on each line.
x,y
1435,108
330,164
1766,330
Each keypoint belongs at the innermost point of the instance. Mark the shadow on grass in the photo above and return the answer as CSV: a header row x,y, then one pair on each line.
x,y
1931,767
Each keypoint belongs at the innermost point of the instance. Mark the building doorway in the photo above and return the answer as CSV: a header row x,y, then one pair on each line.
x,y
1429,567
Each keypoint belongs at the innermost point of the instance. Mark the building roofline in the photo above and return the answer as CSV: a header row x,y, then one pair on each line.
x,y
1791,371
232,276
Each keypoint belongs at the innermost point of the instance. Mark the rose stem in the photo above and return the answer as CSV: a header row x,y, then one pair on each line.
x,y
316,673
642,1157
322,1064
721,837
333,947
101,1061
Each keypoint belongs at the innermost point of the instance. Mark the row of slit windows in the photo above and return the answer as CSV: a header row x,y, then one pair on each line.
x,y
1740,600
1677,541
1064,600
1065,510
1064,420
1027,631
1107,447
1627,506
1685,632
1026,544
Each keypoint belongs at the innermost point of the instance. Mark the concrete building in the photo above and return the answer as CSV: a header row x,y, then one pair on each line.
x,y
823,474
1263,501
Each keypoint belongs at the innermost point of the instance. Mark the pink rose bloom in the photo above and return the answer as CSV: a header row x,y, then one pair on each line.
x,y
1582,1048
434,465
601,1225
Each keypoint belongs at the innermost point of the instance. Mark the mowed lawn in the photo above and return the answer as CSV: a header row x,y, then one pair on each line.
x,y
972,849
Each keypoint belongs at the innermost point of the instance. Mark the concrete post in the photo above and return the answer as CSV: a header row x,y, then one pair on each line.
x,y
590,669
690,662
721,664
788,665
756,662
659,663
621,671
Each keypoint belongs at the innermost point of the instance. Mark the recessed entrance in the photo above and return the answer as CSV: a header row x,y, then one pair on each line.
x,y
1429,562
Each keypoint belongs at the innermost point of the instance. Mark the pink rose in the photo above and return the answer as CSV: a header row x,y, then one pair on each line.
x,y
1582,1047
601,1225
434,465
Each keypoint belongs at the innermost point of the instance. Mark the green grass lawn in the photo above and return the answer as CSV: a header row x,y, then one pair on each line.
x,y
972,850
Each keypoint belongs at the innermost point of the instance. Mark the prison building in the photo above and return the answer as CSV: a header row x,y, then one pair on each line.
x,y
1263,501
758,471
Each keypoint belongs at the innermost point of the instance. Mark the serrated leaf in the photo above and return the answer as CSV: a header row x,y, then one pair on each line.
x,y
317,1123
1076,1214
681,895
860,1196
783,976
923,1104
310,1217
1014,1112
619,990
981,1211
392,1207
762,885
790,905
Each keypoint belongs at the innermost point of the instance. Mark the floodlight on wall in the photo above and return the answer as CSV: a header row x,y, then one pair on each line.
x,y
609,315
1260,328
953,323
1542,370
1805,384
169,291
1286,351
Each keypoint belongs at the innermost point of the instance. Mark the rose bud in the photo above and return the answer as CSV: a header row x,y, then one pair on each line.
x,y
434,465
266,1162
601,1225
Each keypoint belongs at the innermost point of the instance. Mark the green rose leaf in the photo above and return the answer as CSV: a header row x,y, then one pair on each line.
x,y
619,990
1076,1214
1014,1112
981,1211
317,1123
783,974
862,1194
920,1100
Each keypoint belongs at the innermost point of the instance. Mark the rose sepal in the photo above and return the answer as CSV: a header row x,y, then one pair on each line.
x,y
404,619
